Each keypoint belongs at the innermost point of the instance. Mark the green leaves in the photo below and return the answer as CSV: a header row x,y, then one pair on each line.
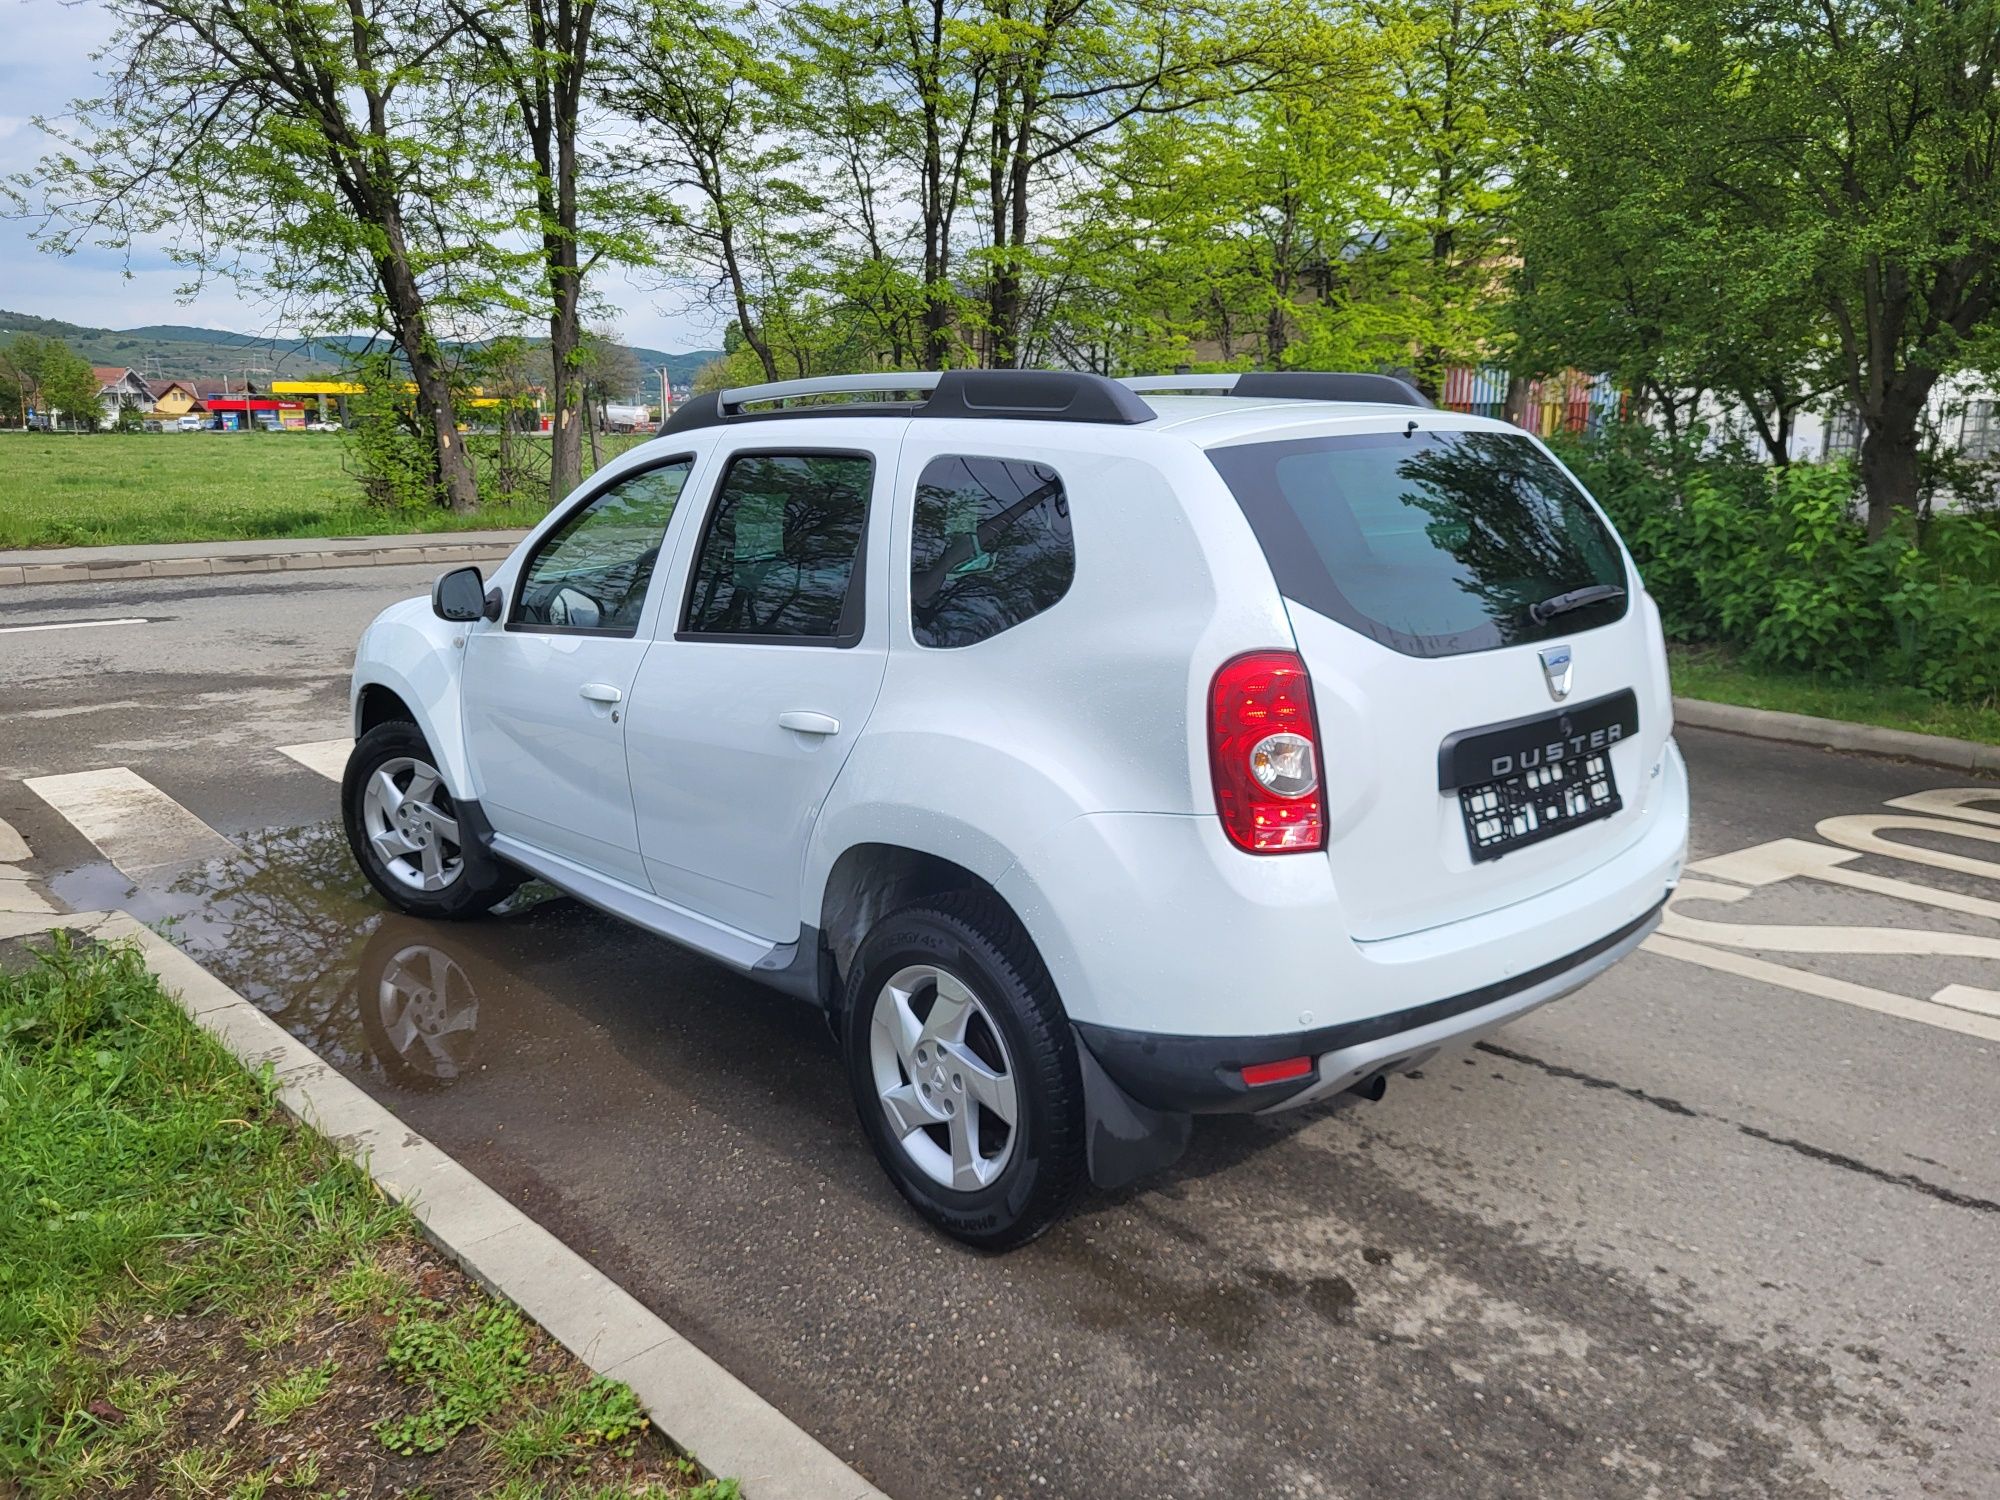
x,y
1775,563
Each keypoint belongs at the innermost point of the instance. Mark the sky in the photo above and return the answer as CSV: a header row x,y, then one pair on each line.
x,y
45,61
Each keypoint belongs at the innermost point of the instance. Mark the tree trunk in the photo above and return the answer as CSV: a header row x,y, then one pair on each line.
x,y
435,407
565,388
1889,462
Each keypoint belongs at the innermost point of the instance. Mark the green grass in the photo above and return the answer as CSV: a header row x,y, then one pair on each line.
x,y
75,490
1718,676
173,1247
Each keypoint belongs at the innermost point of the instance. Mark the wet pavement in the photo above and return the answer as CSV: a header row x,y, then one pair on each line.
x,y
1689,1232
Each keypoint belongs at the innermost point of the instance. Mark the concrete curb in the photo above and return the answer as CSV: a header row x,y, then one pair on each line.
x,y
284,558
1837,734
695,1402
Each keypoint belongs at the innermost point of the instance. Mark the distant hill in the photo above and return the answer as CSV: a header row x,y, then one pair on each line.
x,y
163,350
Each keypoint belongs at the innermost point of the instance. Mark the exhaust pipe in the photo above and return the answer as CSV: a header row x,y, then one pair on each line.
x,y
1371,1088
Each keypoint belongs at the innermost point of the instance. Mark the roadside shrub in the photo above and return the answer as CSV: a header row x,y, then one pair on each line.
x,y
1777,564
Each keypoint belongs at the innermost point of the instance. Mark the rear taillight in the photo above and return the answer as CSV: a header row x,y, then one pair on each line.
x,y
1263,746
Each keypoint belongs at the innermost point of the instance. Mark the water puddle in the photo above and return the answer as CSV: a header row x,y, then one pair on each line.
x,y
415,1005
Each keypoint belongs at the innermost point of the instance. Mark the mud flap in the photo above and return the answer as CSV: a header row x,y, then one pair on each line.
x,y
1124,1139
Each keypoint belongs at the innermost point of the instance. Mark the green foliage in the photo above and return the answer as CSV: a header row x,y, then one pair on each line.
x,y
291,1394
1778,564
1773,199
602,1412
388,447
140,1167
469,1360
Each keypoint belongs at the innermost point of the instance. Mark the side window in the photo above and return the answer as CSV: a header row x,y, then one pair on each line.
x,y
991,547
591,572
782,553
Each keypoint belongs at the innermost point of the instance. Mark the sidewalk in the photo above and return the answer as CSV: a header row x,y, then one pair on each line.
x,y
265,555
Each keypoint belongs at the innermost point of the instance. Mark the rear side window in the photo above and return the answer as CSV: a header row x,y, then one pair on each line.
x,y
1433,544
781,557
991,547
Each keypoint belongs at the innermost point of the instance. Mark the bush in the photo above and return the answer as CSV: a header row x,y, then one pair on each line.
x,y
1777,564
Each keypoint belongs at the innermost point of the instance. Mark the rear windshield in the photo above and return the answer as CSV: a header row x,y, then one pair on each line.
x,y
1434,544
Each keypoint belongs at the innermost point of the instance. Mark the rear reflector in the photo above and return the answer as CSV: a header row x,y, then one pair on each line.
x,y
1277,1072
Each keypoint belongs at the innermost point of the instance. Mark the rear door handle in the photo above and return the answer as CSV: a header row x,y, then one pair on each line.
x,y
599,692
808,723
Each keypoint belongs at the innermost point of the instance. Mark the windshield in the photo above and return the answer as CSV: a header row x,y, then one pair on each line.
x,y
1435,543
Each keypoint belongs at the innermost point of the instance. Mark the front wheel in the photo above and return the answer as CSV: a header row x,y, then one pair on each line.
x,y
405,833
965,1072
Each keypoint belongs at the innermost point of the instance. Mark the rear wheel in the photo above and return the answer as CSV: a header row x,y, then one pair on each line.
x,y
964,1071
404,829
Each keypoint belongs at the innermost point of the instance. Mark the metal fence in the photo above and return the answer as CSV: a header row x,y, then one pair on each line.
x,y
1570,402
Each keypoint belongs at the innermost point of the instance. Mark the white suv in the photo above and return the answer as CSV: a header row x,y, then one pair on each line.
x,y
1095,754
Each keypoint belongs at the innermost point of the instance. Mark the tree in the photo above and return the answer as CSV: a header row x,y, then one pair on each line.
x,y
1840,161
1633,265
303,148
694,77
541,55
67,384
1066,75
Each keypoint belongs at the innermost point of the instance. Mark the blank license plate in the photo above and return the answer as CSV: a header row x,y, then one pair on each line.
x,y
1523,782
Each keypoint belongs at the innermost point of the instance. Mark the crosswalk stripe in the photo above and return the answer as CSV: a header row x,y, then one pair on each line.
x,y
133,823
328,757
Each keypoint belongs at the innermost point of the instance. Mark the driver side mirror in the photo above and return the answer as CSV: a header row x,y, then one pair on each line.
x,y
461,596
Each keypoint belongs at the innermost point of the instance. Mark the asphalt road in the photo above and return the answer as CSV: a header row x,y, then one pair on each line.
x,y
1720,1224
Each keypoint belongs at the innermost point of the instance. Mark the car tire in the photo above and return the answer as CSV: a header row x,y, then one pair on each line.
x,y
395,848
951,1024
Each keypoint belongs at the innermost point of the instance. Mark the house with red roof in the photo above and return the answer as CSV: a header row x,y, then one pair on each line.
x,y
119,391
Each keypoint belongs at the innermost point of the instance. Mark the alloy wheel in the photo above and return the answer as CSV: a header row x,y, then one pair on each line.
x,y
408,817
944,1078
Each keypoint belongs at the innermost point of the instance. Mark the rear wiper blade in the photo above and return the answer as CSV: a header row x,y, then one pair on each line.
x,y
1583,598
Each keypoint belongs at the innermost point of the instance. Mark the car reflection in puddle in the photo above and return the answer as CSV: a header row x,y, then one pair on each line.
x,y
418,1004
290,924
519,999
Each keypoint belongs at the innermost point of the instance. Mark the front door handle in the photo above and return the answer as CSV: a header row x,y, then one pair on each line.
x,y
808,723
599,692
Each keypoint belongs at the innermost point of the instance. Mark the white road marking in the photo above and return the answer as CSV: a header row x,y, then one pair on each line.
x,y
66,625
328,757
1966,997
1913,942
1944,1017
1782,859
1865,834
133,823
1950,802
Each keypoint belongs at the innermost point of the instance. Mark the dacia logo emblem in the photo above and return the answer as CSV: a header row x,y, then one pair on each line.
x,y
1555,668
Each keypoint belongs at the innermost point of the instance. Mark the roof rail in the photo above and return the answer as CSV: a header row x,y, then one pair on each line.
x,y
1291,385
1032,395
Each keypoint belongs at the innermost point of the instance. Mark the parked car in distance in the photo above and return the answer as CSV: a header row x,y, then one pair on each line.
x,y
190,422
1093,754
322,427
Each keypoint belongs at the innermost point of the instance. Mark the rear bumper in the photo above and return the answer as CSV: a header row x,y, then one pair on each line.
x,y
1203,1074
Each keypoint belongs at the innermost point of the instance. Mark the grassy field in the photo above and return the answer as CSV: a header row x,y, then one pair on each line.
x,y
198,1297
1716,675
70,490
